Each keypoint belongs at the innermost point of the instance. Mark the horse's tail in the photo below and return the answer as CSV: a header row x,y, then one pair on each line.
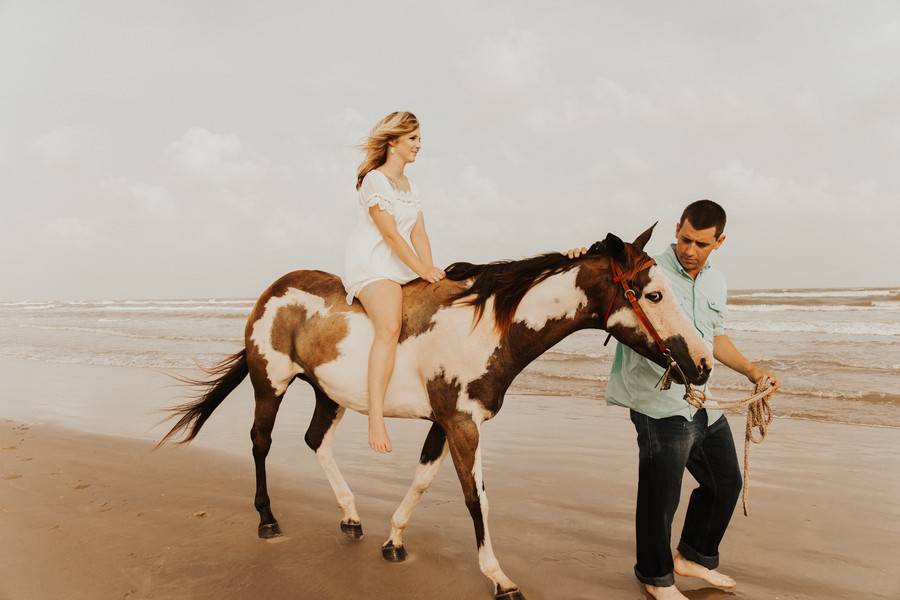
x,y
228,374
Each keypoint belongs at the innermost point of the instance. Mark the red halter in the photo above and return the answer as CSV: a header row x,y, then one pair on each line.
x,y
620,277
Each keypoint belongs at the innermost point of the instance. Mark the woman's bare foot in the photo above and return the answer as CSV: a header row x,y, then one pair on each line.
x,y
665,593
378,435
687,568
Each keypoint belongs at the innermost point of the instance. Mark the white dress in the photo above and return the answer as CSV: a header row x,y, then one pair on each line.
x,y
368,258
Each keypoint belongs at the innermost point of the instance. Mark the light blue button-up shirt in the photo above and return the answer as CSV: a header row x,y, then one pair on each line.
x,y
633,378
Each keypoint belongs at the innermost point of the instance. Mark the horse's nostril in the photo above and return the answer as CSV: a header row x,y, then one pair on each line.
x,y
704,368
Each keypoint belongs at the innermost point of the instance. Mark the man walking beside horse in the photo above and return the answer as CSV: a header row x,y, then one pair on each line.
x,y
671,434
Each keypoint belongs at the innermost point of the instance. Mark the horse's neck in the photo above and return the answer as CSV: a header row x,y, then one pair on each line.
x,y
526,344
549,312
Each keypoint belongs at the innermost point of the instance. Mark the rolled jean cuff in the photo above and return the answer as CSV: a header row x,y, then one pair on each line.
x,y
663,581
710,562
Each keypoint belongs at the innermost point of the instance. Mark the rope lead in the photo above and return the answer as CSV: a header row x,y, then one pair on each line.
x,y
759,413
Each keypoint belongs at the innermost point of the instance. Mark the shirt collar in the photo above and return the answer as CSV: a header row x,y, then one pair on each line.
x,y
672,258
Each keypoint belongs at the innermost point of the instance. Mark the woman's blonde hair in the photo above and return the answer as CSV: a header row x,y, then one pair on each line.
x,y
376,145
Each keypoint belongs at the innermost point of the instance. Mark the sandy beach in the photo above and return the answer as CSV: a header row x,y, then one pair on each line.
x,y
183,182
91,511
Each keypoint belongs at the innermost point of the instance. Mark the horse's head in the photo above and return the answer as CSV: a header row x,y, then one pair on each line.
x,y
651,321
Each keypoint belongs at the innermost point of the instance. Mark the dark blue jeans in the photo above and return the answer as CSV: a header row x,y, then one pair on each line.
x,y
666,447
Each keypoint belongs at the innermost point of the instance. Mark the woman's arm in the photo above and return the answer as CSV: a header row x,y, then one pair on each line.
x,y
420,241
387,226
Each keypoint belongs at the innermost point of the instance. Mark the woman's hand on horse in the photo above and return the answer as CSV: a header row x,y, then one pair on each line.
x,y
576,252
432,274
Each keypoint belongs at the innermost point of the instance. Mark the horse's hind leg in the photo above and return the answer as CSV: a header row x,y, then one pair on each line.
x,y
319,437
267,403
433,453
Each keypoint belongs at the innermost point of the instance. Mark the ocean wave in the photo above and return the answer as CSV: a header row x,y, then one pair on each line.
x,y
112,359
212,303
564,376
782,364
26,303
33,306
830,293
871,307
559,354
134,305
828,327
128,334
152,308
869,396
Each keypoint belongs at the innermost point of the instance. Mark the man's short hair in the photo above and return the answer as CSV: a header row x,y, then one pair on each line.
x,y
704,214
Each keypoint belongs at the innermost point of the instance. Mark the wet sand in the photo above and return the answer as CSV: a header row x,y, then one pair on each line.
x,y
85,513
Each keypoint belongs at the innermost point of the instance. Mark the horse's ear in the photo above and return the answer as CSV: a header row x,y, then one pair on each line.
x,y
642,239
616,248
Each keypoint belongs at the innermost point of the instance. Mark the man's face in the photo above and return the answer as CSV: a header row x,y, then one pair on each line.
x,y
693,246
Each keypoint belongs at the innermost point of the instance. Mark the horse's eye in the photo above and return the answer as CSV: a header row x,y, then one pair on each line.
x,y
654,297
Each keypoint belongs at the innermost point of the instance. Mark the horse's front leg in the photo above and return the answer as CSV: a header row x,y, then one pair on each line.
x,y
464,440
433,453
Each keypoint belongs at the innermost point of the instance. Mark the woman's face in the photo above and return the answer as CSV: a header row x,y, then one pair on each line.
x,y
407,146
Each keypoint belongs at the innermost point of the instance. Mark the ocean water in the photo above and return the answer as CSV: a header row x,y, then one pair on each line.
x,y
837,351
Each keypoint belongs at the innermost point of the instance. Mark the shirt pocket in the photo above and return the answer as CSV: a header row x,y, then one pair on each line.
x,y
715,316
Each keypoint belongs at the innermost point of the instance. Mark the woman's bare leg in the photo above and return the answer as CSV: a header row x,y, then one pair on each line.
x,y
383,301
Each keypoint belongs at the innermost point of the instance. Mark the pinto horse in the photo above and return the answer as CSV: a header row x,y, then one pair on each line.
x,y
461,343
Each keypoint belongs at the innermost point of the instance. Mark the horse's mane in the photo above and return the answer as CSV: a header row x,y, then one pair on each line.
x,y
507,281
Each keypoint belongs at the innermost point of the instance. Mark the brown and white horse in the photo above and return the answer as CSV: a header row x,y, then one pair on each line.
x,y
462,342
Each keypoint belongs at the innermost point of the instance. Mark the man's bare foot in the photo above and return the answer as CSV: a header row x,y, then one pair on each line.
x,y
378,435
687,568
665,593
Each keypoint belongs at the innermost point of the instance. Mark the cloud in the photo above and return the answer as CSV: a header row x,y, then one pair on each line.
x,y
63,145
69,232
758,196
216,157
566,113
612,100
740,182
479,193
154,200
815,198
513,60
625,110
351,124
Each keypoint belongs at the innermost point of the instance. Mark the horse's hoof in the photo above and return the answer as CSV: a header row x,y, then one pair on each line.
x,y
352,529
392,553
510,595
269,530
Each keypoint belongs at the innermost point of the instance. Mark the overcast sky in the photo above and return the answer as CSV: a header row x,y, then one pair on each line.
x,y
201,149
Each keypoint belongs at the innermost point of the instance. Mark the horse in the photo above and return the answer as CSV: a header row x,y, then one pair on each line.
x,y
461,343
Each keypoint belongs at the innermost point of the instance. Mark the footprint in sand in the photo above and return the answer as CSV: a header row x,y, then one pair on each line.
x,y
12,476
